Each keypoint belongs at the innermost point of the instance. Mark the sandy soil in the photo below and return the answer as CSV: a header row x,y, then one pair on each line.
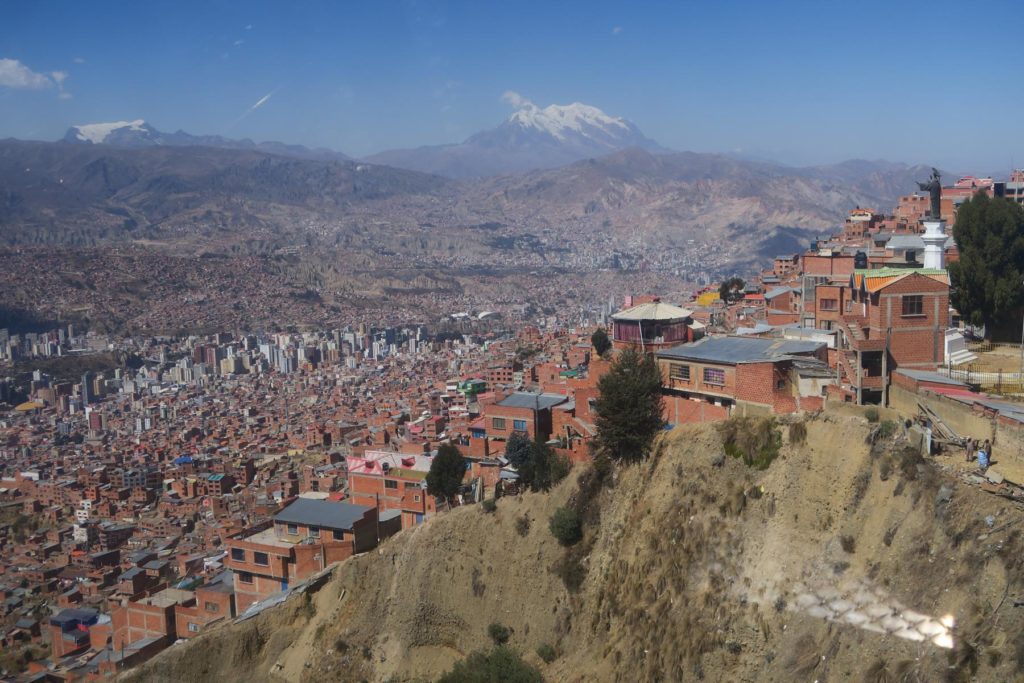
x,y
837,563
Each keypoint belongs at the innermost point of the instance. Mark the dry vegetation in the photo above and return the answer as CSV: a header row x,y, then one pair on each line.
x,y
687,570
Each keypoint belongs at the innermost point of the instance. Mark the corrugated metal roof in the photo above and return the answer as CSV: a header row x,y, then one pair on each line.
x,y
736,350
321,513
523,399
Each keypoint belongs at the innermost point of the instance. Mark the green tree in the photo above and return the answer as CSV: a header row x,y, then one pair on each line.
x,y
731,289
988,279
566,526
629,406
446,472
500,664
518,450
599,340
539,467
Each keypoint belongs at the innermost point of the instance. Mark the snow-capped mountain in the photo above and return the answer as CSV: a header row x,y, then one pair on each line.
x,y
531,138
125,133
138,133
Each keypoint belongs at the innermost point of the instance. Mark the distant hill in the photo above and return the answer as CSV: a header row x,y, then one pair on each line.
x,y
139,133
83,194
60,193
531,138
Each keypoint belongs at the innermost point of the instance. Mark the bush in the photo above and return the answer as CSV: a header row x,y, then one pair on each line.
x,y
523,525
872,415
546,653
797,433
500,664
848,543
489,505
565,526
571,570
886,429
756,441
499,633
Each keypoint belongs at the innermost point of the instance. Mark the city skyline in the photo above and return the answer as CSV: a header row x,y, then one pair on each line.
x,y
804,84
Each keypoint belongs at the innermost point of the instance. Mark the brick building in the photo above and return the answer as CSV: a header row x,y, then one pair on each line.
x,y
392,481
301,540
652,326
523,412
719,377
893,318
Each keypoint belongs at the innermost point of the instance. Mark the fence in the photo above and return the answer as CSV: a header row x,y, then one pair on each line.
x,y
997,382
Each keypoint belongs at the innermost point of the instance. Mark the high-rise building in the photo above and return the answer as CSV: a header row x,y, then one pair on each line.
x,y
87,396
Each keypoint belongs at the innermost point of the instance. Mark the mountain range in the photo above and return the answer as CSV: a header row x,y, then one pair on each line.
x,y
531,138
139,133
60,193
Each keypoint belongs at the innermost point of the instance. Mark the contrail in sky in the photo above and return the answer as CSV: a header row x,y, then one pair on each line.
x,y
259,103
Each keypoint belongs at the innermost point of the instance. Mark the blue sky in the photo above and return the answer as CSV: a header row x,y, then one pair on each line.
x,y
798,82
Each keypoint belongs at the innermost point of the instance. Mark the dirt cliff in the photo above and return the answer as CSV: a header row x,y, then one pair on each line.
x,y
840,562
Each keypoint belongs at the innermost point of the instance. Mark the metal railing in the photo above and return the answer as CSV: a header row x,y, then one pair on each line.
x,y
997,382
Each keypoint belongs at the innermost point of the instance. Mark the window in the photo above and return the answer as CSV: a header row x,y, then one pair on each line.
x,y
212,607
338,535
193,627
390,484
677,371
829,304
261,559
498,422
913,304
416,498
238,555
314,532
293,530
519,425
714,376
245,577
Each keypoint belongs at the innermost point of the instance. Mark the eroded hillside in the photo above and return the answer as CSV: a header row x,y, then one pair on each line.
x,y
836,563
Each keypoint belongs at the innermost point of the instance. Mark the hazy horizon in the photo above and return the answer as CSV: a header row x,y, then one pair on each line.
x,y
801,85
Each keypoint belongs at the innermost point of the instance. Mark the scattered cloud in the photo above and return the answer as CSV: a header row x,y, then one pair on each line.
x,y
446,88
617,30
239,42
14,74
59,77
78,60
248,27
516,100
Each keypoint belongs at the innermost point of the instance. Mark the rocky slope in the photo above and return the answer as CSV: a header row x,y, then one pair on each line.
x,y
837,563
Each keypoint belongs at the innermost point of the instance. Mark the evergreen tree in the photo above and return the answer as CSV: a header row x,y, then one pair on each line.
x,y
599,340
988,279
629,406
517,450
446,472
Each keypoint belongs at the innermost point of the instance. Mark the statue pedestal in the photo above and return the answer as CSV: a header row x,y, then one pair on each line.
x,y
934,244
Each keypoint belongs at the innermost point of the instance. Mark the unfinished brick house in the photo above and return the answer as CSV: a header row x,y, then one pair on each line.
x,y
893,318
301,540
718,377
392,481
522,412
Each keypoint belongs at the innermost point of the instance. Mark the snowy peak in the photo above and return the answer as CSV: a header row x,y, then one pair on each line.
x,y
138,133
531,138
105,133
575,118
